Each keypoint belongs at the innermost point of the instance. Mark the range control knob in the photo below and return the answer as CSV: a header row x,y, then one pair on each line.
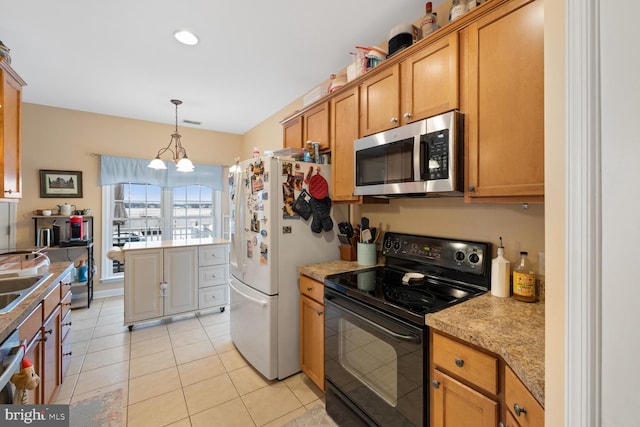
x,y
387,243
459,256
396,245
474,258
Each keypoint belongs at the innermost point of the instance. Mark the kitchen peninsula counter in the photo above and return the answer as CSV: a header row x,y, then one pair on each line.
x,y
10,321
509,328
163,244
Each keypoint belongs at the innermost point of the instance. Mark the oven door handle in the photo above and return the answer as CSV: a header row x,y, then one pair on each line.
x,y
408,338
12,364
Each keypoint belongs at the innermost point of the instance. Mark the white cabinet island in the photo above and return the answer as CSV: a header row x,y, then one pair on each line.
x,y
172,277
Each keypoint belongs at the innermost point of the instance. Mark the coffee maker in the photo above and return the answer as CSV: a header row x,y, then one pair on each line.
x,y
76,227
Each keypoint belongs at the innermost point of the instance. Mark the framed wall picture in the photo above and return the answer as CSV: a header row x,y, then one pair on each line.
x,y
60,184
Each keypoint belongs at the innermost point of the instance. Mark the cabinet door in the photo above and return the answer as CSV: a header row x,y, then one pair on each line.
x,y
456,405
50,374
316,126
312,340
430,80
520,403
181,277
380,101
33,352
10,132
292,130
504,108
142,279
344,131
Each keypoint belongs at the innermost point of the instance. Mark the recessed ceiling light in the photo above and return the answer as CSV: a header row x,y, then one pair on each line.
x,y
186,37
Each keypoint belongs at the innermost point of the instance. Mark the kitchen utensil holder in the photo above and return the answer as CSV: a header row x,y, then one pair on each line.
x,y
367,254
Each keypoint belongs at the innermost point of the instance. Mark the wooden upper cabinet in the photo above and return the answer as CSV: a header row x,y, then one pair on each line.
x,y
316,126
10,131
430,80
292,130
380,100
344,131
503,102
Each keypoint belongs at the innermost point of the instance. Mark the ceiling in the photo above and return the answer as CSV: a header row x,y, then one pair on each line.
x,y
254,57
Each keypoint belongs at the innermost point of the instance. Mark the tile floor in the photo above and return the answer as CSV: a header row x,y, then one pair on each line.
x,y
181,372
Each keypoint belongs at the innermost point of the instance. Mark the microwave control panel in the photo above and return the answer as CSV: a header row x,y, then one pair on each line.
x,y
435,156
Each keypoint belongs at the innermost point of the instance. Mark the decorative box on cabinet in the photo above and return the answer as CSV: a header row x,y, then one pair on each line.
x,y
213,283
503,102
312,330
10,131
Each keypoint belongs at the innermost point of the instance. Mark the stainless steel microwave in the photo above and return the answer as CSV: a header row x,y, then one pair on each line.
x,y
420,159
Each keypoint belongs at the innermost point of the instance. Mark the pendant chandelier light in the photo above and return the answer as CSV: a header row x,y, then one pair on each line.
x,y
183,164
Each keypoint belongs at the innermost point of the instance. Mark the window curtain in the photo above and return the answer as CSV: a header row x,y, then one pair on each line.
x,y
114,170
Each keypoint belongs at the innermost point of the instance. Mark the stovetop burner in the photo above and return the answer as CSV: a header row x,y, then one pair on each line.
x,y
453,272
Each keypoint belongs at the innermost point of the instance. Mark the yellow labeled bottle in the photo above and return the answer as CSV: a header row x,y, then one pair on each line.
x,y
524,280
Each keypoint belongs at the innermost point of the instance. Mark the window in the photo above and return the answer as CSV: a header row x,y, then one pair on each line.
x,y
137,212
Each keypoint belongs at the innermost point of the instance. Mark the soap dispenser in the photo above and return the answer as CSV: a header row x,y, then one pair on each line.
x,y
500,274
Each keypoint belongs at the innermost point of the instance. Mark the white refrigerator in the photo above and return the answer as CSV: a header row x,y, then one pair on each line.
x,y
268,241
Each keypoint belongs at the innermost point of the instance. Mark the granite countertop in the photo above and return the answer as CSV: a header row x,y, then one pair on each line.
x,y
159,244
512,329
11,320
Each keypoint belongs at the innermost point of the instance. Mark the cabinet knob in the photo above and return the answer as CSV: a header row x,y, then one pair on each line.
x,y
67,324
500,424
67,354
309,288
407,116
394,120
49,331
518,410
435,384
320,313
472,188
8,191
459,363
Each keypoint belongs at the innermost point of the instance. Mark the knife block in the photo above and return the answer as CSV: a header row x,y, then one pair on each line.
x,y
348,253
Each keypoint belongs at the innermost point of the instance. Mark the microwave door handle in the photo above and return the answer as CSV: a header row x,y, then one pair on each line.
x,y
422,148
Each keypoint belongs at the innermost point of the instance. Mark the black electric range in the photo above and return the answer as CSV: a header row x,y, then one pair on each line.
x,y
376,340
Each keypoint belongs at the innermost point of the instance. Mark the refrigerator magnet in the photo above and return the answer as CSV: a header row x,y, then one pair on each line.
x,y
249,249
264,254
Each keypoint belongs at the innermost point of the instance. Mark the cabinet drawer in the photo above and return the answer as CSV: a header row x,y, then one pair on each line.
x,y
65,304
472,365
65,325
51,301
31,325
312,288
515,393
215,275
212,297
65,285
213,255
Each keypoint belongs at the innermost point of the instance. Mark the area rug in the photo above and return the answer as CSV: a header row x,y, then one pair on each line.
x,y
104,410
314,417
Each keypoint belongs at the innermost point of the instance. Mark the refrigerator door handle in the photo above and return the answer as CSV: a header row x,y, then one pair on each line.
x,y
257,301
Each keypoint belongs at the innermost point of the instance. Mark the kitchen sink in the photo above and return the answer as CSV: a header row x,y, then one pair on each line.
x,y
15,289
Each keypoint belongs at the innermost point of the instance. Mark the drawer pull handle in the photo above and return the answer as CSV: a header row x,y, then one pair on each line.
x,y
459,363
309,288
67,354
49,331
320,313
435,384
66,324
518,410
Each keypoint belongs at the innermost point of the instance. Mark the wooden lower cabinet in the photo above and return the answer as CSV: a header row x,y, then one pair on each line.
x,y
312,330
469,386
457,405
50,377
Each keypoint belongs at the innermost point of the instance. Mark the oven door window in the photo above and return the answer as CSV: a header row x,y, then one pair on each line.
x,y
389,163
370,359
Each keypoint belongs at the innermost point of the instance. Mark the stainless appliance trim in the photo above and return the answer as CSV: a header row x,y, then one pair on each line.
x,y
451,186
11,354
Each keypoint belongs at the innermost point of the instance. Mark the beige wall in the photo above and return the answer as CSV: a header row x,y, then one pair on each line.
x,y
555,160
60,139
